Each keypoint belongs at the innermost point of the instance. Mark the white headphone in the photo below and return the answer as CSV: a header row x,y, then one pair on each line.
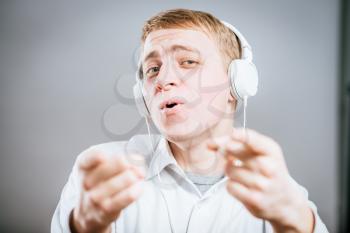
x,y
242,73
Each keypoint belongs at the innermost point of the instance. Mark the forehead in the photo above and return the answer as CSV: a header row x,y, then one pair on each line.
x,y
161,41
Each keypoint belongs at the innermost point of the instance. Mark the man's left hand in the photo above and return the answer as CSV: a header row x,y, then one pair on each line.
x,y
259,178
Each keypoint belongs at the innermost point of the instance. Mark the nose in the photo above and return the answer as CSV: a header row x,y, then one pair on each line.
x,y
164,86
167,79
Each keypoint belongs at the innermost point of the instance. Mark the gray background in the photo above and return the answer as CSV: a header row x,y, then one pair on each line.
x,y
60,62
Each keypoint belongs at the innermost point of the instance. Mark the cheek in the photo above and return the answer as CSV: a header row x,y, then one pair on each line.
x,y
213,92
213,77
214,105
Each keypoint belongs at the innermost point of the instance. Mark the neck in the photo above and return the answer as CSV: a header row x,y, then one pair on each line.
x,y
193,155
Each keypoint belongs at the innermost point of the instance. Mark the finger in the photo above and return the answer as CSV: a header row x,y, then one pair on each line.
x,y
238,190
238,150
121,200
218,142
243,194
212,146
218,145
247,178
140,171
109,168
257,142
263,165
114,185
230,148
91,159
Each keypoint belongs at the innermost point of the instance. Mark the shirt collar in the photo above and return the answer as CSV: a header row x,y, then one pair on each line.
x,y
161,158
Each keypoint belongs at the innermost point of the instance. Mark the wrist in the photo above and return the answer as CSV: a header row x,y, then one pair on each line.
x,y
299,219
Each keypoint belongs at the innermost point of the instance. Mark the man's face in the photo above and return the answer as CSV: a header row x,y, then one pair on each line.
x,y
185,83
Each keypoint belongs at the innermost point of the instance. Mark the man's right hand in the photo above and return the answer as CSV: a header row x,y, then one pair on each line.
x,y
108,186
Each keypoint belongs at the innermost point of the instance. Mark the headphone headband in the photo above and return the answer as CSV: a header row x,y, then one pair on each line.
x,y
247,53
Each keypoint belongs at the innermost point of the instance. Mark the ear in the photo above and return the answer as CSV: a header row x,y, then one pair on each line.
x,y
232,100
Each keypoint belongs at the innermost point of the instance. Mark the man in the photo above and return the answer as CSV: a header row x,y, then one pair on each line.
x,y
200,175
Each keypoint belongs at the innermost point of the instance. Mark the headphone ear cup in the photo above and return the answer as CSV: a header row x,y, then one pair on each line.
x,y
243,76
140,100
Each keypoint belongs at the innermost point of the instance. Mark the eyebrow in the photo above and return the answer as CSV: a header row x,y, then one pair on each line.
x,y
155,53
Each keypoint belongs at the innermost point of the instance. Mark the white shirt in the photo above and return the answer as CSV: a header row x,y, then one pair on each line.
x,y
170,201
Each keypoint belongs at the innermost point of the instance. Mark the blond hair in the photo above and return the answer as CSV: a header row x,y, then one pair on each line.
x,y
226,40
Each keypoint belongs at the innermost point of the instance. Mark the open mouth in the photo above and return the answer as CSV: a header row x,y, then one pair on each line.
x,y
171,103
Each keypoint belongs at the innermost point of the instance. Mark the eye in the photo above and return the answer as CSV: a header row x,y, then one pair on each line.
x,y
189,63
152,71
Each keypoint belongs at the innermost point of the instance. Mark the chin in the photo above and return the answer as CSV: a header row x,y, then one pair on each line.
x,y
182,131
